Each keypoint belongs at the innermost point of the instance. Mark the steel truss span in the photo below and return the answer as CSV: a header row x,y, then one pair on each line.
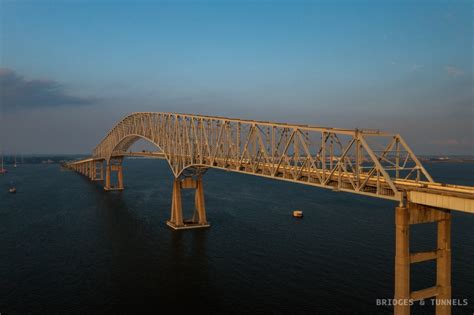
x,y
360,161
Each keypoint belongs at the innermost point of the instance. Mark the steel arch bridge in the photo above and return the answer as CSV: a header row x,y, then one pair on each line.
x,y
367,162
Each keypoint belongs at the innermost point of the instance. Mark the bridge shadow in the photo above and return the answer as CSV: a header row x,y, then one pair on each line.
x,y
147,263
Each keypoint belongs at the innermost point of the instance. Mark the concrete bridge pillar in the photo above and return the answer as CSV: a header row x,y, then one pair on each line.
x,y
113,166
101,170
443,264
97,170
92,173
107,176
199,216
417,214
89,170
402,261
118,169
176,206
200,207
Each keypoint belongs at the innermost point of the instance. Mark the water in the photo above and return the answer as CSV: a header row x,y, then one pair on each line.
x,y
68,246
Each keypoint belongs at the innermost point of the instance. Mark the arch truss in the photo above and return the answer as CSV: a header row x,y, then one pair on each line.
x,y
360,161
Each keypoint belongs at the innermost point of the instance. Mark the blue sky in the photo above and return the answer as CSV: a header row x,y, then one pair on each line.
x,y
71,69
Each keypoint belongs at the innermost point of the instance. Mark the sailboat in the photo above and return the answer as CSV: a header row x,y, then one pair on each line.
x,y
2,169
14,163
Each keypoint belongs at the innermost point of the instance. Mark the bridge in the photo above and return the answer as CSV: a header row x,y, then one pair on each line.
x,y
366,162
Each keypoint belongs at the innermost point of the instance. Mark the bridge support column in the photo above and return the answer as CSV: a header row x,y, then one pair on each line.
x,y
97,170
93,173
113,166
443,265
101,172
417,214
199,216
119,176
200,207
176,220
402,261
90,172
107,176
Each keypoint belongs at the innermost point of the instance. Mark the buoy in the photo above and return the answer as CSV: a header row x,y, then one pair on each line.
x,y
298,214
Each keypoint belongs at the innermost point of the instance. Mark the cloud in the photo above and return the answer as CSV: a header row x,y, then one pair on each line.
x,y
16,92
453,71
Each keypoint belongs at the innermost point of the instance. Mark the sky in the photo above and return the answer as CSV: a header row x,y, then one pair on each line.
x,y
69,70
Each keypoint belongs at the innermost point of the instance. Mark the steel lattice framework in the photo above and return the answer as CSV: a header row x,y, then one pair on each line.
x,y
360,161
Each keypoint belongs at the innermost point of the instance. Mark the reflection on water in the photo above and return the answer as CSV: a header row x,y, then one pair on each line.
x,y
67,245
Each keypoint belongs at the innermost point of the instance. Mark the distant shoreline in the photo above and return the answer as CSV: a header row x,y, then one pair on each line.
x,y
448,161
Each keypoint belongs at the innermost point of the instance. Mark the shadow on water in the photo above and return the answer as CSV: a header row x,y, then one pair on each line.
x,y
150,264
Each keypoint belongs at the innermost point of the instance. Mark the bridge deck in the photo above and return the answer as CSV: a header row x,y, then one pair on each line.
x,y
454,197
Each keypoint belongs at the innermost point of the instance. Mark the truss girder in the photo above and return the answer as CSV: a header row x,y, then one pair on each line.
x,y
366,162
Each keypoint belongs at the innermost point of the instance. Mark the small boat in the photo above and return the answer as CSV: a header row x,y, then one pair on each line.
x,y
298,214
12,190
